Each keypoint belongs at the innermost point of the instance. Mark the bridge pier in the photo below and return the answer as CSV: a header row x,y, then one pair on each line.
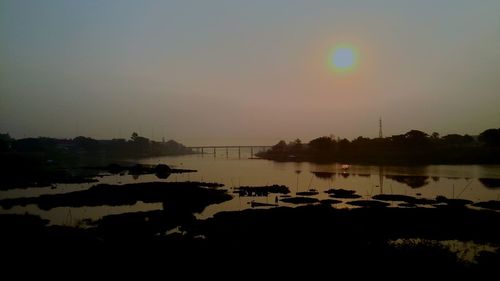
x,y
253,149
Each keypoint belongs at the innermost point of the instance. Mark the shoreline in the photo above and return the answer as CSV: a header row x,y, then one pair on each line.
x,y
357,238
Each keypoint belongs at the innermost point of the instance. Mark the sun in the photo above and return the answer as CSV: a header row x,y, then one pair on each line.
x,y
343,58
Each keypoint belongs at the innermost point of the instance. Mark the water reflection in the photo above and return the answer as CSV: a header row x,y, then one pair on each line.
x,y
162,175
411,181
381,179
431,181
490,183
297,172
324,175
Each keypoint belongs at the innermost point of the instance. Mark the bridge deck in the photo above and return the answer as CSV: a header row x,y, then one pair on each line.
x,y
231,146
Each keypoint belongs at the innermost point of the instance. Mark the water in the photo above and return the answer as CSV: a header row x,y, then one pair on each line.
x,y
233,170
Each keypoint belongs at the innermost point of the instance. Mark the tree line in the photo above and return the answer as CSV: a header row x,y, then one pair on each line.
x,y
53,149
413,147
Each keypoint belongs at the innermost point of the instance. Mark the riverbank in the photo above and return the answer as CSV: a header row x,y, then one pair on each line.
x,y
311,235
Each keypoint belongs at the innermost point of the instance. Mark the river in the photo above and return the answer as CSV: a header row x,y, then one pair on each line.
x,y
233,170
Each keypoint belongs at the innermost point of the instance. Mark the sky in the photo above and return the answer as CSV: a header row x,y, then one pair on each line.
x,y
225,72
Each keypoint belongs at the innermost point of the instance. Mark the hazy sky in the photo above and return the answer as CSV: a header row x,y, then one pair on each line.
x,y
248,72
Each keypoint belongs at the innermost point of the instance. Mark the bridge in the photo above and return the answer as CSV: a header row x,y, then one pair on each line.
x,y
202,149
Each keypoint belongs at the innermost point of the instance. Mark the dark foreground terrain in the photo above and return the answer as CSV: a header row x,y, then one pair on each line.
x,y
308,237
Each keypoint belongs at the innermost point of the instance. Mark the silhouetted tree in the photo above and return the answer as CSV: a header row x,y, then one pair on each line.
x,y
490,137
296,146
134,136
322,144
416,137
86,144
456,140
344,144
280,147
5,142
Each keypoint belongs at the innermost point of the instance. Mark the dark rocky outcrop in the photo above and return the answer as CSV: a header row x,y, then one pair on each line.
x,y
261,190
369,203
192,196
492,204
300,200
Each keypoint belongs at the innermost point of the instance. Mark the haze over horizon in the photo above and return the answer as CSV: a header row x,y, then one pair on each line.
x,y
247,72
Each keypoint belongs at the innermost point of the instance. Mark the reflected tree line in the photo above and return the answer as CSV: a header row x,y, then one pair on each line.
x,y
413,147
413,181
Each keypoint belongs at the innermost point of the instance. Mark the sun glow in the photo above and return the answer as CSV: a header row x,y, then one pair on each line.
x,y
343,58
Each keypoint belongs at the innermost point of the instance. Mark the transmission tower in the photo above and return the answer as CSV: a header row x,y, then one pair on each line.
x,y
380,128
